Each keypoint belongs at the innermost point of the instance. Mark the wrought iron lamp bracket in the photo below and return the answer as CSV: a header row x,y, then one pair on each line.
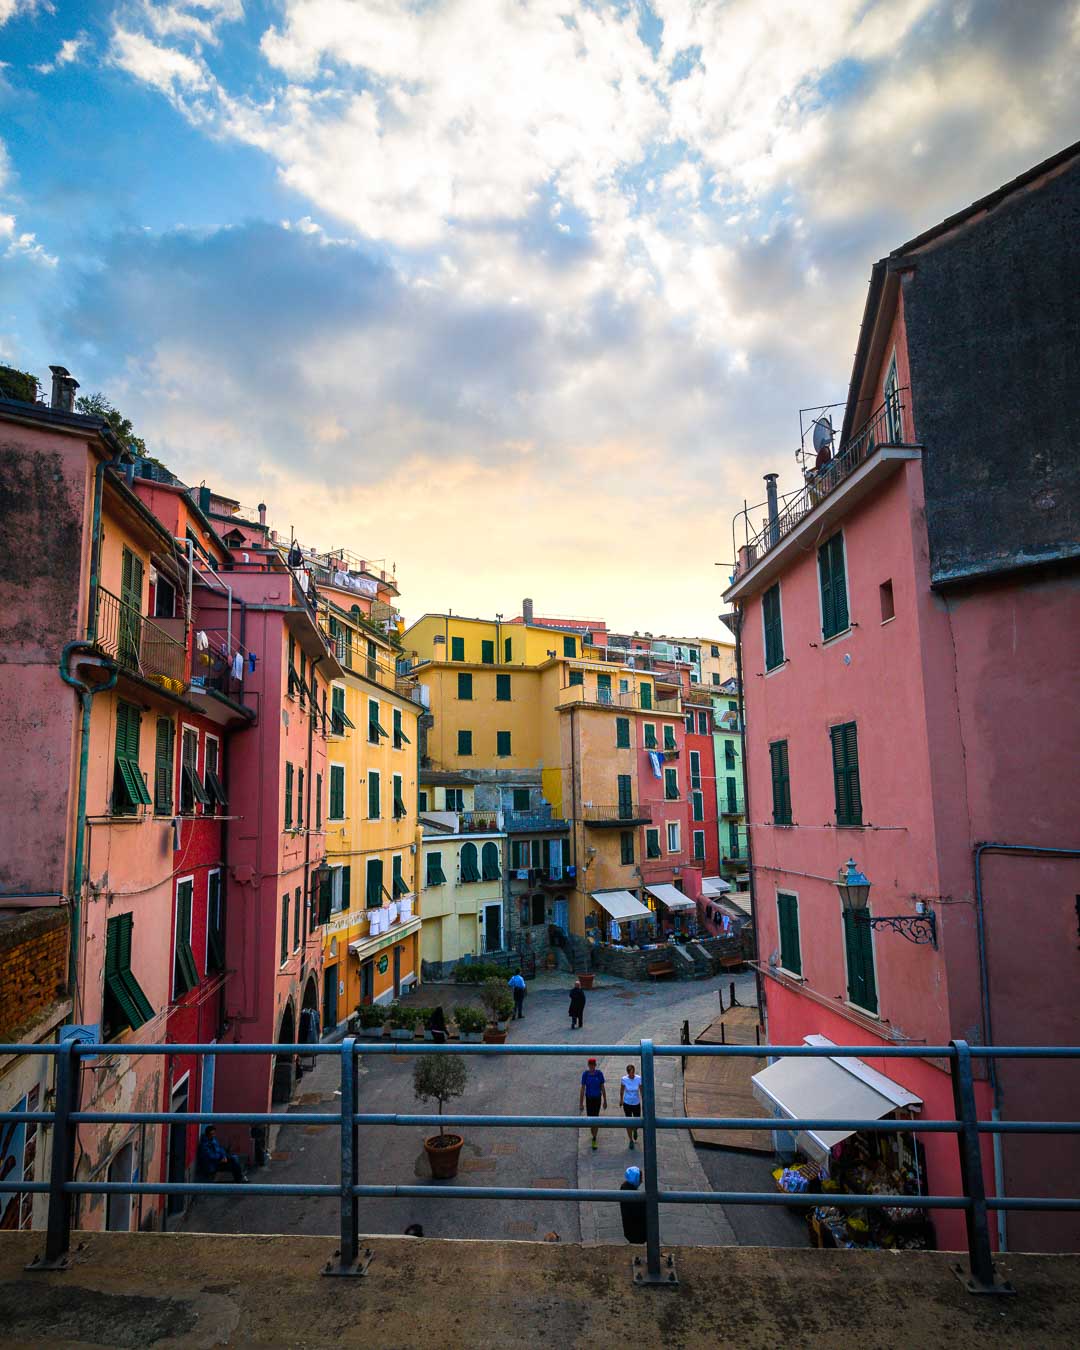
x,y
917,928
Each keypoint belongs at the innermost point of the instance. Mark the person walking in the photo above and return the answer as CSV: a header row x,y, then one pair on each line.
x,y
577,1006
630,1101
592,1096
211,1156
517,988
632,1213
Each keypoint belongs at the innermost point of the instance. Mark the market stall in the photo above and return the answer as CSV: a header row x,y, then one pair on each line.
x,y
627,921
847,1161
682,911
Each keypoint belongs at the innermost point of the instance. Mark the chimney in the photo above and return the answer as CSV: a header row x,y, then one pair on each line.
x,y
774,513
262,513
64,385
527,610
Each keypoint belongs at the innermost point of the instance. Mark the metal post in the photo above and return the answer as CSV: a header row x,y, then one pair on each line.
x,y
656,1271
980,1278
58,1233
349,1259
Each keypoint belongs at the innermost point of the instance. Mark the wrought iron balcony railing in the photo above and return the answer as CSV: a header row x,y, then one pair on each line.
x,y
138,644
610,698
621,814
532,822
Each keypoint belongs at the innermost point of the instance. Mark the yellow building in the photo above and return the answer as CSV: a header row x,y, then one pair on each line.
x,y
717,660
372,839
462,896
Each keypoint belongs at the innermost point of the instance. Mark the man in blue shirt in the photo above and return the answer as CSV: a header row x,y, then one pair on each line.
x,y
517,987
592,1096
212,1156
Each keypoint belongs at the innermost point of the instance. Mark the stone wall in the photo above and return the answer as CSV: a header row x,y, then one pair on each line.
x,y
33,966
630,963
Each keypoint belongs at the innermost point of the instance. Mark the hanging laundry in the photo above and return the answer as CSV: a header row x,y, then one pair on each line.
x,y
238,666
202,642
656,762
251,662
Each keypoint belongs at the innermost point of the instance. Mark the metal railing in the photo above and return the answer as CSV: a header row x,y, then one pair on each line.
x,y
622,813
138,644
527,822
66,1117
884,428
610,698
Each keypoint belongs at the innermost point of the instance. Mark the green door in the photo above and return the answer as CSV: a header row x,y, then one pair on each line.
x,y
131,574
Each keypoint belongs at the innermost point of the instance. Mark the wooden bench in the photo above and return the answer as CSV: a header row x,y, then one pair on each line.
x,y
732,963
658,969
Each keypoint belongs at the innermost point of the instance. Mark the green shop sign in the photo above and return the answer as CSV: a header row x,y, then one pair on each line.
x,y
384,961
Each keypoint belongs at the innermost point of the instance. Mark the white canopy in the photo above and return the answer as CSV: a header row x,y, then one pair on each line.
x,y
670,896
622,905
837,1088
741,900
711,886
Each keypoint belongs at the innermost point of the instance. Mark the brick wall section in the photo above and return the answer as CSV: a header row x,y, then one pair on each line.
x,y
33,966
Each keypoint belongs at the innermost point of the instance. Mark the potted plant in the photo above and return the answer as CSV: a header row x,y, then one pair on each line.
x,y
498,1000
423,1016
372,1021
586,978
402,1022
470,1022
440,1078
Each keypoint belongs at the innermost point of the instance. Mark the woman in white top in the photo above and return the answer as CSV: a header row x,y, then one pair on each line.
x,y
630,1100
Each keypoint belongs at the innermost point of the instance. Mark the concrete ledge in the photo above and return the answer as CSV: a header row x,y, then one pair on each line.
x,y
188,1290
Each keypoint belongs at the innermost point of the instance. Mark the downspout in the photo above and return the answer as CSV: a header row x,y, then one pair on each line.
x,y
984,986
746,807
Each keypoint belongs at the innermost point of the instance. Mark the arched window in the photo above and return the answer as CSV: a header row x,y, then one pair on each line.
x,y
469,869
492,870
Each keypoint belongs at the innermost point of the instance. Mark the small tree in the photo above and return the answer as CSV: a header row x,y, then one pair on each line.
x,y
440,1078
497,999
97,405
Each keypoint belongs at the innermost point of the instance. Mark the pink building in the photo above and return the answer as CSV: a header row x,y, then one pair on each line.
x,y
664,793
908,627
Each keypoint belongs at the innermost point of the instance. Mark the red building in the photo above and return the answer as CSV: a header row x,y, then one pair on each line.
x,y
703,802
910,694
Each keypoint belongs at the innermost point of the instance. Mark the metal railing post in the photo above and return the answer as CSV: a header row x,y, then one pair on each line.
x,y
62,1161
981,1277
349,1260
653,1273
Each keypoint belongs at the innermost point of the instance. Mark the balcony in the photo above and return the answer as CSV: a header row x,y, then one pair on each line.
x,y
532,822
478,822
621,816
137,644
609,698
730,809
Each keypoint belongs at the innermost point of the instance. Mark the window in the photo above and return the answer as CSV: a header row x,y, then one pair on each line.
x,y
487,652
400,739
699,844
372,664
318,801
697,801
729,754
299,799
519,855
508,650
374,794
284,956
859,949
669,737
289,792
646,696
337,791
129,788
893,418
373,896
689,723
845,759
502,743
298,914
399,800
464,686
215,923
732,787
294,678
714,650
774,627
622,733
787,908
400,885
671,785
577,677
502,688
715,678
673,836
781,783
831,574
212,773
423,801
454,799
321,907
603,688
703,723
340,886
457,649
624,686
521,799
625,787
650,735
191,787
339,718
164,599
733,840
185,975
569,646
888,606
464,743
695,768
539,911
125,1003
435,875
164,748
626,847
652,843
489,862
470,866
375,731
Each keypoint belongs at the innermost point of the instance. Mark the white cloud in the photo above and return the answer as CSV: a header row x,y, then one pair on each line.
x,y
163,68
68,52
10,8
15,243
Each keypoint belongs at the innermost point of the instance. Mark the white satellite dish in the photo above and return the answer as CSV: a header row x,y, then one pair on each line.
x,y
823,432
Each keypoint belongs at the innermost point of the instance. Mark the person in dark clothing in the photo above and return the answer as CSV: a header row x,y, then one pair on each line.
x,y
577,1006
633,1214
437,1024
212,1156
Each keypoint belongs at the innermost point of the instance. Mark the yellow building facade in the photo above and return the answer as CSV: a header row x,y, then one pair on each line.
x,y
462,894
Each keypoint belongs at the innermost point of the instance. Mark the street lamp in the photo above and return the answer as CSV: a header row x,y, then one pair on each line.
x,y
854,888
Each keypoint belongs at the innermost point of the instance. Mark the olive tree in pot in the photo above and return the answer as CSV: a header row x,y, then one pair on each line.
x,y
499,1002
441,1078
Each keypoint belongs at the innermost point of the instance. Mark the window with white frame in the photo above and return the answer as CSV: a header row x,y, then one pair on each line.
x,y
673,836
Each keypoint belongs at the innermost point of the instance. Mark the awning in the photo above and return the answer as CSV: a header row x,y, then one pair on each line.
x,y
834,1087
714,886
741,900
670,896
622,905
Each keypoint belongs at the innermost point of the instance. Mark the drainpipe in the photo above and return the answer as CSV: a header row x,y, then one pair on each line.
x,y
773,508
984,985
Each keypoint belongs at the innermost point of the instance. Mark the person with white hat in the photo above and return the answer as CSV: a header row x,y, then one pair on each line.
x,y
633,1212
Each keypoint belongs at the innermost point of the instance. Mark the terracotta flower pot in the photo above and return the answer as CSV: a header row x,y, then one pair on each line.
x,y
443,1157
586,979
495,1035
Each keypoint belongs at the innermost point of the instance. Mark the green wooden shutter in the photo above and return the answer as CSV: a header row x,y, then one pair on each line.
x,y
671,785
652,843
470,870
502,688
521,799
859,945
569,646
492,870
487,652
845,758
299,799
502,743
457,649
508,649
626,847
626,796
622,733
337,792
773,624
781,790
650,736
374,804
464,742
400,886
577,677
790,947
646,696
346,882
288,795
831,573
669,737
464,686
164,743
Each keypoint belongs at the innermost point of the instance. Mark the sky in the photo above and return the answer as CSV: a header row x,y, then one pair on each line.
x,y
522,296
